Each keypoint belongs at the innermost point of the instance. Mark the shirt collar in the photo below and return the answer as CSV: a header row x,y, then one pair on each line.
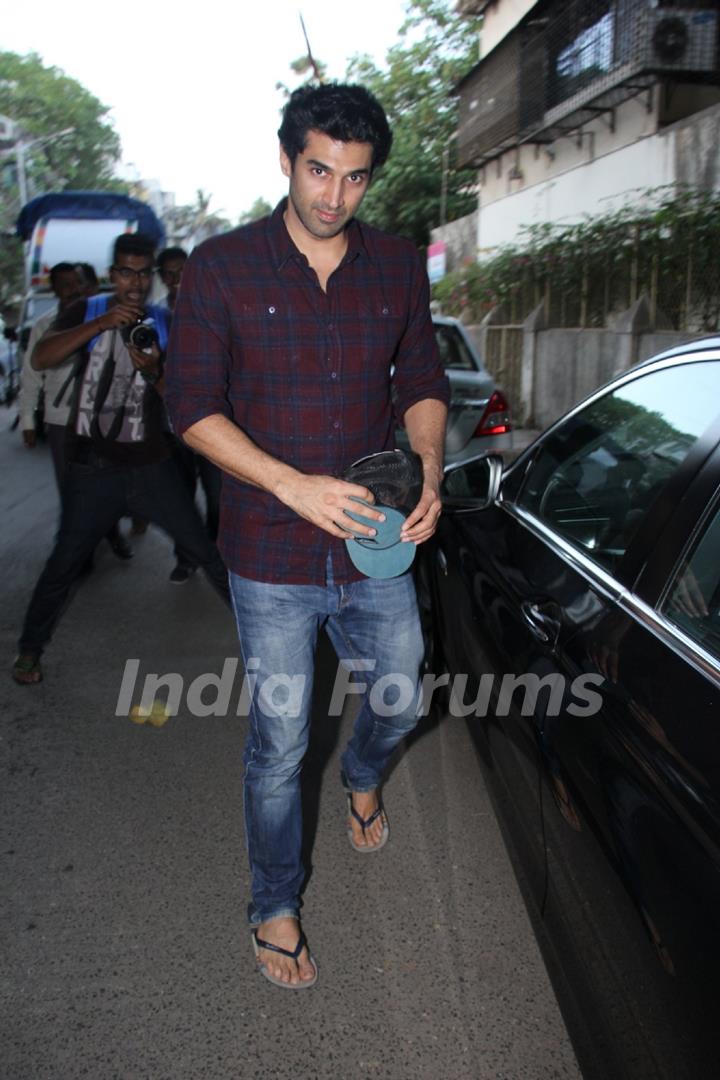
x,y
283,249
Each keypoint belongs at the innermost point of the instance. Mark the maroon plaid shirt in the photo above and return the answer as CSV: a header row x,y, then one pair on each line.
x,y
305,374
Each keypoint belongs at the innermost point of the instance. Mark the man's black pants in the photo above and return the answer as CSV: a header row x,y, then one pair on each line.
x,y
95,496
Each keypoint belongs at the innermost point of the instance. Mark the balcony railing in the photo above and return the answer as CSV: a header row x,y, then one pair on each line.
x,y
571,60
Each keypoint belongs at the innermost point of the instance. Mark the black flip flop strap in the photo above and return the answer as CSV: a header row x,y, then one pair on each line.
x,y
365,823
302,941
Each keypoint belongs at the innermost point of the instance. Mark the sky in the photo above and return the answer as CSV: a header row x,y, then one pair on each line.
x,y
191,87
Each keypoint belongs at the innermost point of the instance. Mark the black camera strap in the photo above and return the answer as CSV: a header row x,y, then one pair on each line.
x,y
103,389
77,368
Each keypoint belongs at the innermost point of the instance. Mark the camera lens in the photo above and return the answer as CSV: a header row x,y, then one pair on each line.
x,y
142,337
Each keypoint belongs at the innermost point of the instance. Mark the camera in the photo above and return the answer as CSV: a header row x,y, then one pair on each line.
x,y
141,336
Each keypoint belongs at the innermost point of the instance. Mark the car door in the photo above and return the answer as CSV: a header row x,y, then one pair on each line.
x,y
637,895
537,588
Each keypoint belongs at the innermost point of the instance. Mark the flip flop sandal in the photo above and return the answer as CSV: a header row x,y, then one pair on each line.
x,y
27,671
304,984
365,823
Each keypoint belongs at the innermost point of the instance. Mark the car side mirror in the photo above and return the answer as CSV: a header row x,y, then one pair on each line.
x,y
472,485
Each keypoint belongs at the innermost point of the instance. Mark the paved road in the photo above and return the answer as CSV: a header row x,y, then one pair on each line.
x,y
124,884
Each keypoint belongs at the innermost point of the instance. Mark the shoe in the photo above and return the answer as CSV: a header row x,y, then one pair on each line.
x,y
365,823
26,670
120,547
259,943
181,574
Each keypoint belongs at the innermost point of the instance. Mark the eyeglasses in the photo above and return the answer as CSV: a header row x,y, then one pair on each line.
x,y
128,274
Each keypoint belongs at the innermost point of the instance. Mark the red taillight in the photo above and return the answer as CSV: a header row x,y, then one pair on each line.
x,y
496,418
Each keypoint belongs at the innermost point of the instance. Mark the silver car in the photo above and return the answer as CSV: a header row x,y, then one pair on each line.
x,y
479,415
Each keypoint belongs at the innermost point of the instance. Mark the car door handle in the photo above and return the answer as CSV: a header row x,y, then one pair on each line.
x,y
543,620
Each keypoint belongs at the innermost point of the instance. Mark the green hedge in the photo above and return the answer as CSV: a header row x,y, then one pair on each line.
x,y
668,249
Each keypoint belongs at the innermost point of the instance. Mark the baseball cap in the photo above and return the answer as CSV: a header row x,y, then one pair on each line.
x,y
395,477
384,555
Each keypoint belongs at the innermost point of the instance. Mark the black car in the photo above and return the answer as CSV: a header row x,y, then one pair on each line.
x,y
576,608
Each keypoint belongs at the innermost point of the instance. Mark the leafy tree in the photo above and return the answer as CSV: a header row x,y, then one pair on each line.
x,y
43,101
315,71
190,224
259,209
436,48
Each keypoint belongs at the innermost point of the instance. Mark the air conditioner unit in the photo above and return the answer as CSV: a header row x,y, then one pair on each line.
x,y
680,39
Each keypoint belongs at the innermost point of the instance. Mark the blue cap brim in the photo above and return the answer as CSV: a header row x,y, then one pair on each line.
x,y
385,555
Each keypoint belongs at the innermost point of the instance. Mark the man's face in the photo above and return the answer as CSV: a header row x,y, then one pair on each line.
x,y
68,287
131,276
327,183
171,273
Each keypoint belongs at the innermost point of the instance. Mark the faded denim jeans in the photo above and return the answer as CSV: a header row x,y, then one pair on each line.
x,y
375,629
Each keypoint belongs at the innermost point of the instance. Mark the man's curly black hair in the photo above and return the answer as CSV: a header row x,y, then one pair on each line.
x,y
344,112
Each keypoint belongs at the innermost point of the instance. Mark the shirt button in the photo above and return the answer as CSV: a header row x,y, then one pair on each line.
x,y
386,311
331,326
333,374
271,310
336,424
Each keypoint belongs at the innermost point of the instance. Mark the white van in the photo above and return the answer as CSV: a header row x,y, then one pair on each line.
x,y
74,227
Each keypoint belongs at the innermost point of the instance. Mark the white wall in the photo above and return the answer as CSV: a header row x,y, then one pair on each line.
x,y
597,187
603,172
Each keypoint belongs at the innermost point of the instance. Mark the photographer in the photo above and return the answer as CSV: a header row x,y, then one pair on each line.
x,y
69,282
119,459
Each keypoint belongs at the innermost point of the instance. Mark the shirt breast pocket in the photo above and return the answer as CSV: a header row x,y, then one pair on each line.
x,y
266,330
383,325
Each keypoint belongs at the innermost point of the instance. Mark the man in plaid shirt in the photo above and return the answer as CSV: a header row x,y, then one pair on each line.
x,y
287,338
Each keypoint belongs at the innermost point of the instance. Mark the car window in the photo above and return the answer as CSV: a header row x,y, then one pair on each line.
x,y
693,601
453,350
595,477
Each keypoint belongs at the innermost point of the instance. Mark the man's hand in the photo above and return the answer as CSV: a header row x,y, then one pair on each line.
x,y
119,315
422,522
147,362
29,438
323,501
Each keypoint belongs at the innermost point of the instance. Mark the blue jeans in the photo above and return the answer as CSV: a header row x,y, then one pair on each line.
x,y
375,630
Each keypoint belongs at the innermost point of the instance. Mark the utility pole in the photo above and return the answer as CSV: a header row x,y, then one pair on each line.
x,y
444,181
20,150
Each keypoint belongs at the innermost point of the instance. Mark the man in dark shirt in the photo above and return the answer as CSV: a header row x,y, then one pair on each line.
x,y
192,466
119,458
284,341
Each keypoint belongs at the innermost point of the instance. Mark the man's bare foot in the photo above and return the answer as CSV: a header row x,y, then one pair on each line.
x,y
284,932
365,803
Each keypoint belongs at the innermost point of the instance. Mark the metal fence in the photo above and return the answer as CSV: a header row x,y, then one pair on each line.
x,y
502,356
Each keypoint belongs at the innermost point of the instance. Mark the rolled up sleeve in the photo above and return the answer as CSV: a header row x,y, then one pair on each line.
x,y
419,373
198,359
